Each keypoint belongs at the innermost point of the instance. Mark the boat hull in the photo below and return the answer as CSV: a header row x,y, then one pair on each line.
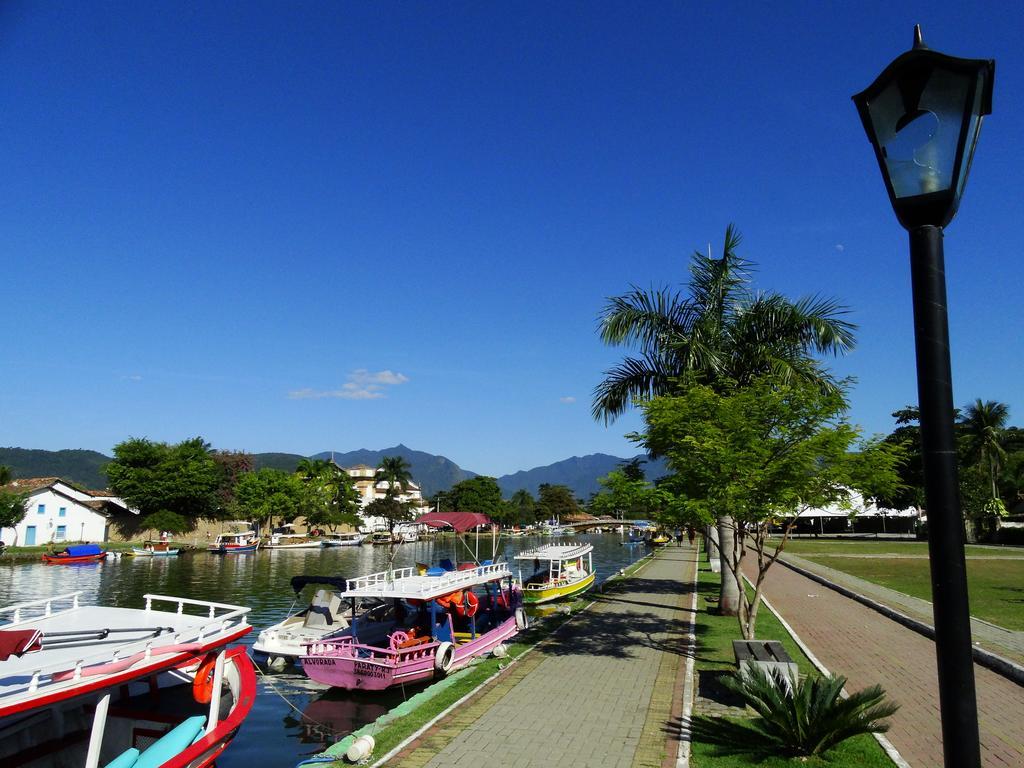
x,y
58,560
231,550
152,553
357,667
547,594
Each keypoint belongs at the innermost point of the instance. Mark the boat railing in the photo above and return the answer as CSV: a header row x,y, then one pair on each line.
x,y
381,577
556,552
42,608
419,586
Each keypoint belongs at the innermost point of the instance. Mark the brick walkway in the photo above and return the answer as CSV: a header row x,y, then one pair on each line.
x,y
855,641
599,693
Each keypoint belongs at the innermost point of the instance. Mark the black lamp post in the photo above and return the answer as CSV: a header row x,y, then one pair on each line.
x,y
922,116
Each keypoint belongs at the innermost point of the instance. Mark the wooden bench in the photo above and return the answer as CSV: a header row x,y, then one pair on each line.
x,y
768,655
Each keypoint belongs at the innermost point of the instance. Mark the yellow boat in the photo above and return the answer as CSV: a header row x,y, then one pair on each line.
x,y
561,570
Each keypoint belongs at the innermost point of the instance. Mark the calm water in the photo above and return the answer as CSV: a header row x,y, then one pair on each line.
x,y
293,717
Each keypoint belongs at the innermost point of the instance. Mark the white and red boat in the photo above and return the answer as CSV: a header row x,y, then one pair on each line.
x,y
441,620
86,686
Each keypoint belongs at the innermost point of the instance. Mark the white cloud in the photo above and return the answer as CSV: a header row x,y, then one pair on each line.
x,y
840,247
361,385
133,377
567,400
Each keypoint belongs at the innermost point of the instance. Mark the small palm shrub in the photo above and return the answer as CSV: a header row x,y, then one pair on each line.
x,y
800,720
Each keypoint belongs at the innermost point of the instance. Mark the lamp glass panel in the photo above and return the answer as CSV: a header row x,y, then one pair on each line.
x,y
919,140
973,130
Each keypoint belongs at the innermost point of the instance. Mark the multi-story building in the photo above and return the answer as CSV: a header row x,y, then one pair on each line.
x,y
371,488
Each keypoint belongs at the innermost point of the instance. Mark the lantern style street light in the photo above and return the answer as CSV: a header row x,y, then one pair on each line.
x,y
922,116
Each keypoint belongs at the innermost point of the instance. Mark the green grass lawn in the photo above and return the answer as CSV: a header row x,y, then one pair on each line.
x,y
995,587
807,547
714,653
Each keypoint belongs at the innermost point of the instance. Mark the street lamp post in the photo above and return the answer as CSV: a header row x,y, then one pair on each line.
x,y
922,116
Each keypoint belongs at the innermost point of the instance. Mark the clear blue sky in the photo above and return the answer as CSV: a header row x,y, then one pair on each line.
x,y
311,226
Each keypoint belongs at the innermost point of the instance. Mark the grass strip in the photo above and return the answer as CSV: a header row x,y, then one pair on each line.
x,y
714,654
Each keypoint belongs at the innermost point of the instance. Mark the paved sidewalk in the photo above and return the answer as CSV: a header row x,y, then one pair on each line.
x,y
598,693
868,648
991,637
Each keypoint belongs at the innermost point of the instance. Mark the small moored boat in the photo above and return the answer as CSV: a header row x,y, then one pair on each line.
x,y
324,617
352,539
77,553
562,570
159,548
235,543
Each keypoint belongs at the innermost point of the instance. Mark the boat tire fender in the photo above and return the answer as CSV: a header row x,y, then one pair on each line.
x,y
522,621
445,657
202,685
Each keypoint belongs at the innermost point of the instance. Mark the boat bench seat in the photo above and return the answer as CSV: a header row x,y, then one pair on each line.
x,y
769,655
171,744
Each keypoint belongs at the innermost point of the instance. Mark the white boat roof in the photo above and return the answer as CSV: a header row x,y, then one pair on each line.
x,y
408,583
30,676
556,552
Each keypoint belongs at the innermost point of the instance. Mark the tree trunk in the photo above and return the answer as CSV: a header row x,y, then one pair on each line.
x,y
711,542
729,596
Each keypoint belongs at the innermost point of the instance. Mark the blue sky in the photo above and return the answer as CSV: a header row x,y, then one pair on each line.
x,y
312,226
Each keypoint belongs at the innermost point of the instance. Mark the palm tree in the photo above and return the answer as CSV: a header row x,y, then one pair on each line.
x,y
983,424
720,332
396,472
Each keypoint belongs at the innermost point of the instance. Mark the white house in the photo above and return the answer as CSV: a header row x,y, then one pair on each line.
x,y
58,512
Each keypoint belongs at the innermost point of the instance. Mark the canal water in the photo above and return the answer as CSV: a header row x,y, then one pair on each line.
x,y
293,717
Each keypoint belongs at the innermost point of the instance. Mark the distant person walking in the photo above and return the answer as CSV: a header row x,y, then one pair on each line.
x,y
691,534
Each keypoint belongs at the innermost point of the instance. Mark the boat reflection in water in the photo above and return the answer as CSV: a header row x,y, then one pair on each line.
x,y
334,714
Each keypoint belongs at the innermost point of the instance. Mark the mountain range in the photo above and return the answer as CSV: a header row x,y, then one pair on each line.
x,y
433,473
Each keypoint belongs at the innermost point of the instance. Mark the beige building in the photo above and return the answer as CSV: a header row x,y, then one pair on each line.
x,y
371,489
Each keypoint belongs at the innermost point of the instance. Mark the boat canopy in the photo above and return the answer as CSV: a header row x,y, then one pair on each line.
x,y
408,583
81,550
556,552
298,582
460,521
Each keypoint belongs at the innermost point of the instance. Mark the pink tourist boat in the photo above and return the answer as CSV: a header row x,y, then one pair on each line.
x,y
441,620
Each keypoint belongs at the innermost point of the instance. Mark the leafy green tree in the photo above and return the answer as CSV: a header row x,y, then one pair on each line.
x,y
391,510
5,474
269,494
522,508
395,471
722,334
478,494
332,498
13,508
633,469
556,502
232,465
182,479
765,451
625,497
442,502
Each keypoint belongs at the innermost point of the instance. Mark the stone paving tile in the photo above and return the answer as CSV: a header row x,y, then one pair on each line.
x,y
866,647
598,693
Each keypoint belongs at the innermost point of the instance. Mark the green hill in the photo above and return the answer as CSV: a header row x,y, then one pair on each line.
x,y
82,467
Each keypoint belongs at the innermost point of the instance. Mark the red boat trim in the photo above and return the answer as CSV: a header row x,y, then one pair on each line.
x,y
38,702
218,739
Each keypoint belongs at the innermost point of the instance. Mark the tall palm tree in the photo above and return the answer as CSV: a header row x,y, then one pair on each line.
x,y
719,331
396,472
983,424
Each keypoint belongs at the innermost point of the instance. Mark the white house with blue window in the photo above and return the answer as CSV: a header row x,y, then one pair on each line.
x,y
58,512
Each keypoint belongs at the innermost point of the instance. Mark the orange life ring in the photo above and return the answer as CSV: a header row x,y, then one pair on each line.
x,y
202,684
